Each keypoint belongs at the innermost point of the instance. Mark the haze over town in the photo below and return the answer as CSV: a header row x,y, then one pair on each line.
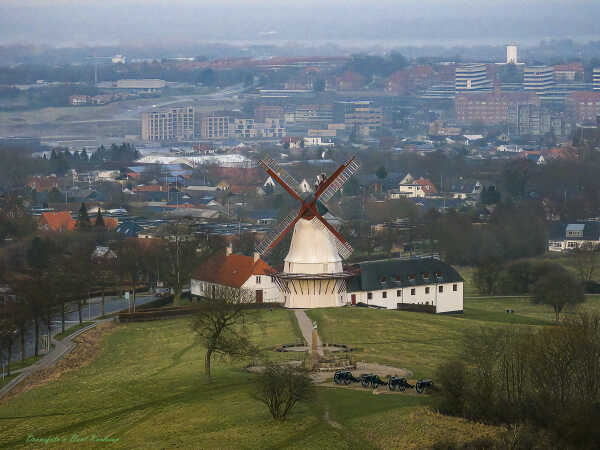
x,y
275,224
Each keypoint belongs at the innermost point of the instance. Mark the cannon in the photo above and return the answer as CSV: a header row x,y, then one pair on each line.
x,y
422,385
398,383
344,377
371,380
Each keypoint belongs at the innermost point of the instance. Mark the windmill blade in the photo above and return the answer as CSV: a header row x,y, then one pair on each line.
x,y
351,167
278,232
342,246
280,174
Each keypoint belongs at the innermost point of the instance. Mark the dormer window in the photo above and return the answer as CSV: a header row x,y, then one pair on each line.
x,y
426,276
382,280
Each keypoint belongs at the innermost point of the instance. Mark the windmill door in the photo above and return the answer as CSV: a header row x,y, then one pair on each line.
x,y
353,298
259,296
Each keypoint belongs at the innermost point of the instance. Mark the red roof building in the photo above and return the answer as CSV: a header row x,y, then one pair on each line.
x,y
43,184
57,221
235,271
428,187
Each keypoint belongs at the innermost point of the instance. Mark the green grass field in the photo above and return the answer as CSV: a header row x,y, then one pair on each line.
x,y
420,341
147,389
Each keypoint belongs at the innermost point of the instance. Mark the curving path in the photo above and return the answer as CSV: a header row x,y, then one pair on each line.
x,y
306,326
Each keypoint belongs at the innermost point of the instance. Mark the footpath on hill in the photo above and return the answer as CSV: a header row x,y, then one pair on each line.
x,y
63,353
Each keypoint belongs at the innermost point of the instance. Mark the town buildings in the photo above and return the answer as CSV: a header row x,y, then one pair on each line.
x,y
174,124
583,106
490,108
596,78
538,79
472,78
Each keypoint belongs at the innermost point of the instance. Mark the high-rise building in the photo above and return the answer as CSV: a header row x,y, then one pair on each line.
x,y
538,79
511,54
216,127
363,116
472,78
173,124
583,106
596,78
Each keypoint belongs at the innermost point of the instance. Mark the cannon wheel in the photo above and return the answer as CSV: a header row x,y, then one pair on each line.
x,y
419,388
374,384
336,379
364,383
391,387
401,387
347,381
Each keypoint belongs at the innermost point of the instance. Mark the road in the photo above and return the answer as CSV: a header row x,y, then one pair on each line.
x,y
90,311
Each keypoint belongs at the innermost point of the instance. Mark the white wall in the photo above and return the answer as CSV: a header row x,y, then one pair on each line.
x,y
270,291
446,301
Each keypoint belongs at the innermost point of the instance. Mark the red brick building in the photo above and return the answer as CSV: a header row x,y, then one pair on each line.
x,y
583,106
489,108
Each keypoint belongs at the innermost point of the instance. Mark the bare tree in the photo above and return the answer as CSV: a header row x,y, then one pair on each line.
x,y
130,264
586,259
280,387
220,323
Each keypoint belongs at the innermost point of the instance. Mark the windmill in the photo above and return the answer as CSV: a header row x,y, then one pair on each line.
x,y
312,275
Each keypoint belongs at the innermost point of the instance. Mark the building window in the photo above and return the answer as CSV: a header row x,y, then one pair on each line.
x,y
399,293
258,280
440,288
369,295
427,290
455,287
413,291
384,294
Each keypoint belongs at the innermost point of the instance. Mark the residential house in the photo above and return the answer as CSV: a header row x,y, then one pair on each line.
x,y
564,237
57,221
235,271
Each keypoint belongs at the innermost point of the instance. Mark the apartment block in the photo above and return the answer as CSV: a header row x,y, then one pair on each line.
x,y
174,124
538,79
472,78
216,127
489,108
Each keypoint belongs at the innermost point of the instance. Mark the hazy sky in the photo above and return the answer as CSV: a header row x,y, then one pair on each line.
x,y
80,22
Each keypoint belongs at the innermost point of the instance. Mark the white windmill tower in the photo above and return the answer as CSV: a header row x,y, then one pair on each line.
x,y
313,276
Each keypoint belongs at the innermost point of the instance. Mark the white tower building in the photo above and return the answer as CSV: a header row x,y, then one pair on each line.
x,y
511,54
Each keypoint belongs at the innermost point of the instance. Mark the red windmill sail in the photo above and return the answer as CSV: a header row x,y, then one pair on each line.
x,y
308,209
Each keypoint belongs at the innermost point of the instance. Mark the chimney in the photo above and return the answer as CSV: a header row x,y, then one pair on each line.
x,y
256,256
229,249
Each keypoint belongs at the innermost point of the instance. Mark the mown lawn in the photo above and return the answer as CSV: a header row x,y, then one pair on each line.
x,y
420,341
146,388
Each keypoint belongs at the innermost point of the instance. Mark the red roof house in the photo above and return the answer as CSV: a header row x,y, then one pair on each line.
x,y
235,271
57,221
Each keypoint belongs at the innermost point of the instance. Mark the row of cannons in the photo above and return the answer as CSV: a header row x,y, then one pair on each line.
x,y
373,381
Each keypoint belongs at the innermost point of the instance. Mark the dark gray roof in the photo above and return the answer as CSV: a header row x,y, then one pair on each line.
x,y
397,273
558,231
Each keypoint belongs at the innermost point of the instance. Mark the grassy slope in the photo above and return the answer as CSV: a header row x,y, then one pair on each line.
x,y
146,388
420,341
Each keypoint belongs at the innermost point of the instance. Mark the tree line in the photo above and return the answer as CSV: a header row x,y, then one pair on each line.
x,y
51,275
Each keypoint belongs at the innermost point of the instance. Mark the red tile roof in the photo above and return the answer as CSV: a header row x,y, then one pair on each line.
x,y
231,270
57,221
428,186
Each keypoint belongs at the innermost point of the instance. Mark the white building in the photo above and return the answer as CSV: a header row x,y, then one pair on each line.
x,y
236,271
472,78
426,284
567,237
538,79
511,54
596,79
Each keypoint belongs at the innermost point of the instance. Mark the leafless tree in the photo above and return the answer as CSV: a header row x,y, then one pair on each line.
x,y
586,259
220,322
280,387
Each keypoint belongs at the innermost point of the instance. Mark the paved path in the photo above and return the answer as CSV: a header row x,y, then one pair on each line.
x,y
306,326
61,348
